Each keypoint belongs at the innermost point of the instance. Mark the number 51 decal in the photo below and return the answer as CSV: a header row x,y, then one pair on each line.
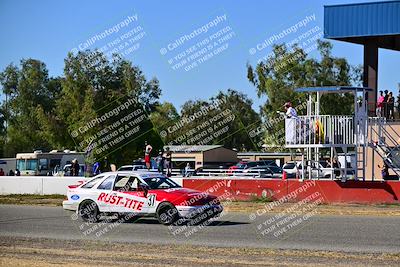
x,y
151,200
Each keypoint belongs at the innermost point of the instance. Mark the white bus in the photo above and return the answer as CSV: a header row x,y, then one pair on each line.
x,y
46,163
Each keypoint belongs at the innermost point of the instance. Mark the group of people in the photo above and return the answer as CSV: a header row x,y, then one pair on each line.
x,y
385,105
163,159
10,173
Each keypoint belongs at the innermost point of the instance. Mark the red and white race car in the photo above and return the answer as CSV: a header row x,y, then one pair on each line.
x,y
139,194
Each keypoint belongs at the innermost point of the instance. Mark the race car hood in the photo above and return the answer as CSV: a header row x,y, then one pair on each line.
x,y
183,196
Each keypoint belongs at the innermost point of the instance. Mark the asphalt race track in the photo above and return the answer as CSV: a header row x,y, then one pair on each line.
x,y
319,232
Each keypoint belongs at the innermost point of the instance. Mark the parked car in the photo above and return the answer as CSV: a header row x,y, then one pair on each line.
x,y
132,167
242,165
318,170
264,172
67,170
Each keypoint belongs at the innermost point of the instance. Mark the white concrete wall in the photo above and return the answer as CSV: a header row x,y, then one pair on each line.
x,y
42,185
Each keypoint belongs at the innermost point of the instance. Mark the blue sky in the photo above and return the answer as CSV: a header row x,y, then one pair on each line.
x,y
47,30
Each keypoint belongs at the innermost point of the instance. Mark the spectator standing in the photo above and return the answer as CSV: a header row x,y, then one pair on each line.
x,y
160,162
168,161
290,123
104,167
290,111
71,169
187,169
96,168
384,171
398,102
75,167
336,167
390,104
385,108
147,152
379,104
1,172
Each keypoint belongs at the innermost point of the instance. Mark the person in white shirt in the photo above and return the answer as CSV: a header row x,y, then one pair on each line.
x,y
290,111
290,123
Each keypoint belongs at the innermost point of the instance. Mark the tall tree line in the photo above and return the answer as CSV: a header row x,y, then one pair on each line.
x,y
42,111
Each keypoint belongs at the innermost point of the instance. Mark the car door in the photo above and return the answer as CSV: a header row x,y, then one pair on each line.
x,y
130,195
105,193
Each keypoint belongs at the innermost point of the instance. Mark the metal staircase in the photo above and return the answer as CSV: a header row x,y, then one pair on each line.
x,y
389,153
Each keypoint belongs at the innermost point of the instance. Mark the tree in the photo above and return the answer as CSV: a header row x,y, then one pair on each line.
x,y
27,89
223,119
288,69
92,87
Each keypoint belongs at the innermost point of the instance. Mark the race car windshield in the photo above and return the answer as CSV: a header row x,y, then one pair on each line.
x,y
160,183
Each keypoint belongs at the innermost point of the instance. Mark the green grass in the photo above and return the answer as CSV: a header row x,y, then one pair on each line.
x,y
27,199
261,199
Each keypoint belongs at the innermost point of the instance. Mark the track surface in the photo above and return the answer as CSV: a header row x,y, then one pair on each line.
x,y
333,233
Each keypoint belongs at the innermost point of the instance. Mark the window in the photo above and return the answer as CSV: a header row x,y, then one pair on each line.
x,y
31,164
92,182
289,166
160,183
21,165
125,169
126,183
43,164
275,169
107,183
324,164
54,163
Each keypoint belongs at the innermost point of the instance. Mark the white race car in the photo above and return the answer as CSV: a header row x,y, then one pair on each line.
x,y
139,194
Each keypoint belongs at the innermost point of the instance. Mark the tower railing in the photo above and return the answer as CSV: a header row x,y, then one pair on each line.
x,y
334,130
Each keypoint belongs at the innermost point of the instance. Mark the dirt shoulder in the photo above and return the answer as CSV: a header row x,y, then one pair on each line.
x,y
48,252
236,206
329,209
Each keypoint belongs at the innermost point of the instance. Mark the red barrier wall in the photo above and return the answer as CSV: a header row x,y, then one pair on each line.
x,y
294,190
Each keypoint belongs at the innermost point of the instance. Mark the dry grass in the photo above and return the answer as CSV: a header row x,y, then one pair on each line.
x,y
331,209
25,199
47,252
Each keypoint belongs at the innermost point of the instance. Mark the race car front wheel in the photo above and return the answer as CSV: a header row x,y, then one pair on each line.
x,y
88,211
167,214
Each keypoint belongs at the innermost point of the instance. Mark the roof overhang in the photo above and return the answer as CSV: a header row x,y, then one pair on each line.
x,y
333,89
376,22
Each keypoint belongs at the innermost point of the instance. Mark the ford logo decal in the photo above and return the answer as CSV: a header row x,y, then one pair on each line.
x,y
74,197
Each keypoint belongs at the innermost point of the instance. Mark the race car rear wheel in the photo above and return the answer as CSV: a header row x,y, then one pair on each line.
x,y
167,214
88,211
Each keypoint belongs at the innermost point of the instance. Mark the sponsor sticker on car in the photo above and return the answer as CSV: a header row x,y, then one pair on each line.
x,y
126,202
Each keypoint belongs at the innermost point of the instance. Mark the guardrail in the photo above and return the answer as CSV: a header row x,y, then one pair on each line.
x,y
320,129
258,173
43,185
